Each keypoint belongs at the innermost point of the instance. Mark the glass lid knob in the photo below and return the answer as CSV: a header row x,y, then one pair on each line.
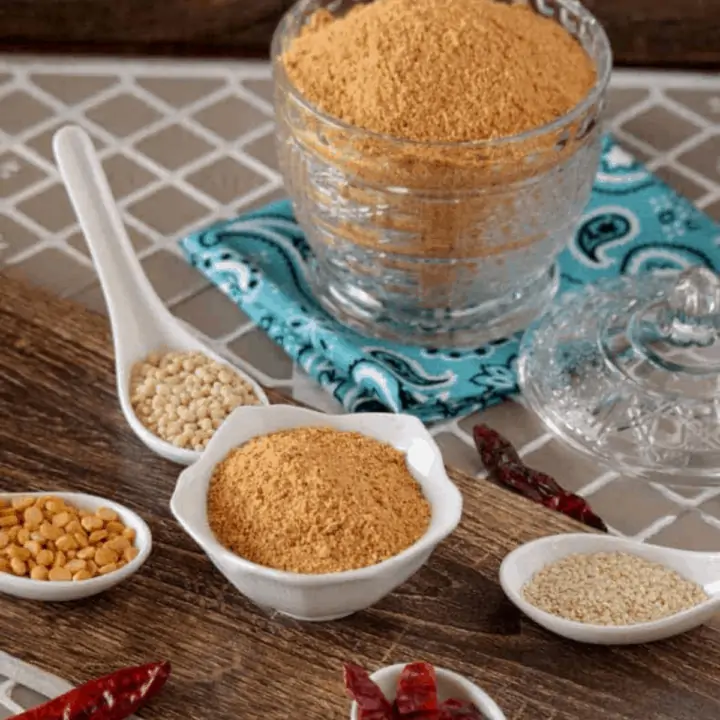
x,y
680,331
693,308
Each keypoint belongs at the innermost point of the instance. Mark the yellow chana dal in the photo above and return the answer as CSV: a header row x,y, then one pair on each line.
x,y
44,538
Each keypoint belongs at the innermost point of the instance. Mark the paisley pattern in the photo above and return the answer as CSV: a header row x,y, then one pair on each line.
x,y
602,229
633,224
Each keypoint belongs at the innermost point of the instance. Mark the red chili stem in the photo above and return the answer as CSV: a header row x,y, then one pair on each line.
x,y
113,697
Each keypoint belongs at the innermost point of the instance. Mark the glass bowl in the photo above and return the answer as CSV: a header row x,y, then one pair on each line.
x,y
439,244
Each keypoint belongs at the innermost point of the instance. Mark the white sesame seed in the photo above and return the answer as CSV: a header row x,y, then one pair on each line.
x,y
611,589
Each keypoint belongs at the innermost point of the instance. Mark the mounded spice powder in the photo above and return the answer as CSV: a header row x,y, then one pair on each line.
x,y
440,70
316,500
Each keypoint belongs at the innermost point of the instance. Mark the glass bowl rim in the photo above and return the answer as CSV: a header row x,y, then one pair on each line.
x,y
598,89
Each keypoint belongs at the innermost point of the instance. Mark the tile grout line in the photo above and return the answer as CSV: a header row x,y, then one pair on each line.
x,y
686,112
148,67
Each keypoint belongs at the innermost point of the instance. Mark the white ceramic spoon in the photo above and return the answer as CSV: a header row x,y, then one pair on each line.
x,y
523,562
140,321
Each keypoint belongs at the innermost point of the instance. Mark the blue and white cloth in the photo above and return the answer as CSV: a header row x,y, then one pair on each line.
x,y
633,224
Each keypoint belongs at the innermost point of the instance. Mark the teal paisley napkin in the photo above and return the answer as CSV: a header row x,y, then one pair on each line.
x,y
633,224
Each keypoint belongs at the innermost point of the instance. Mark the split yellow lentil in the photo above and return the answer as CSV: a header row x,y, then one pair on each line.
x,y
45,538
183,397
611,589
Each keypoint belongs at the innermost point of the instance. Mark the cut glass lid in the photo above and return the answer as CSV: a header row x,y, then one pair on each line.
x,y
628,371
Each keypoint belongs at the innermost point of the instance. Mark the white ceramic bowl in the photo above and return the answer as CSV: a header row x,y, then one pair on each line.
x,y
46,591
332,595
449,685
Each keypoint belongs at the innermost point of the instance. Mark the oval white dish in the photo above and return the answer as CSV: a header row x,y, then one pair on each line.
x,y
46,591
521,564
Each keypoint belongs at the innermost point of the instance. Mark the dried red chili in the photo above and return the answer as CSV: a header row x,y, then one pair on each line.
x,y
417,691
372,704
113,697
505,467
416,696
459,710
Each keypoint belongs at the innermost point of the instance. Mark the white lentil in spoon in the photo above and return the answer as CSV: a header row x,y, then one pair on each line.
x,y
183,397
612,588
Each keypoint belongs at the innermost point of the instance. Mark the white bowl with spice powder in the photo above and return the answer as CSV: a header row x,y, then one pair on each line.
x,y
317,516
607,590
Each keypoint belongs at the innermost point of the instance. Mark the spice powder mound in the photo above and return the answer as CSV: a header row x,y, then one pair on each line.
x,y
316,500
440,70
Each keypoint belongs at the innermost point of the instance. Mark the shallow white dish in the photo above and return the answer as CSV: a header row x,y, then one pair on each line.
x,y
46,591
522,563
333,595
449,685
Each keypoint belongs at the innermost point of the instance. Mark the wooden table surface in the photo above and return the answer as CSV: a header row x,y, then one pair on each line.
x,y
61,429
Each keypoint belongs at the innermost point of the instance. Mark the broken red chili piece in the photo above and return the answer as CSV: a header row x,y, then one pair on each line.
x,y
505,468
372,704
417,690
459,710
113,697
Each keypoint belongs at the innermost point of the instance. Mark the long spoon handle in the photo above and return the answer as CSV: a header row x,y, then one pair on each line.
x,y
132,303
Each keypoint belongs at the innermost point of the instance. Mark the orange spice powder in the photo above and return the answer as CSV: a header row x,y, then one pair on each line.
x,y
440,70
316,500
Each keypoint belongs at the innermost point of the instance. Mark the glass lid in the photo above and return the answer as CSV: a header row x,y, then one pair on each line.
x,y
628,371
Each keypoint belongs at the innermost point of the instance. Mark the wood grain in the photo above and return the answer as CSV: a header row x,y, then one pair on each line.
x,y
662,33
62,429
